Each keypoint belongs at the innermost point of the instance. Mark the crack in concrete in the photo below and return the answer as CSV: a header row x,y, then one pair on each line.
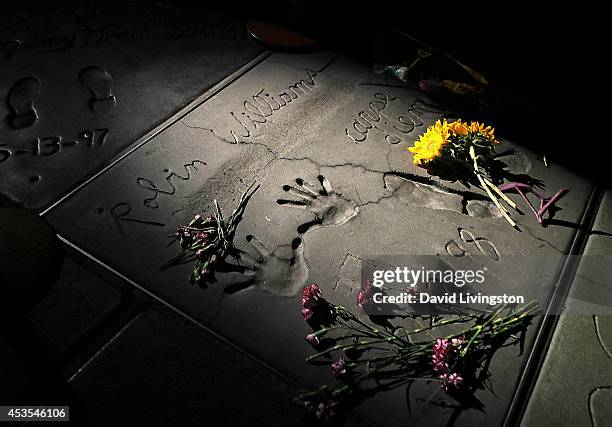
x,y
278,156
238,142
467,195
377,201
387,157
539,238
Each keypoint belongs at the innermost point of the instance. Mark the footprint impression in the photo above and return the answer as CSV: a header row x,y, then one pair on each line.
x,y
283,271
515,161
100,84
600,409
603,331
429,196
21,102
328,206
600,397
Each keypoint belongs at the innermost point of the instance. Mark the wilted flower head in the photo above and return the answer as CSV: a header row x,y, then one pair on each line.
x,y
312,298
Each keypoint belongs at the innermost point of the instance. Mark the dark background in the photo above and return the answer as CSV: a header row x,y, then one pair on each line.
x,y
546,62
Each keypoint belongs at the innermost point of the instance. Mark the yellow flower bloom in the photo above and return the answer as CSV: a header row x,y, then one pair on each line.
x,y
458,128
487,131
429,145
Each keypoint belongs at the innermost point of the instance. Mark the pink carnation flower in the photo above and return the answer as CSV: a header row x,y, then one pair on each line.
x,y
311,299
451,382
313,339
365,295
338,368
445,352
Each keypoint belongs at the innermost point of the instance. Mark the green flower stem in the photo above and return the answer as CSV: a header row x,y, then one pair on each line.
x,y
500,193
323,331
396,361
203,230
356,345
478,329
221,244
354,318
495,327
484,185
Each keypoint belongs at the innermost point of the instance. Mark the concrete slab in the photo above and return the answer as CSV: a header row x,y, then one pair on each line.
x,y
288,121
575,381
162,370
83,81
78,303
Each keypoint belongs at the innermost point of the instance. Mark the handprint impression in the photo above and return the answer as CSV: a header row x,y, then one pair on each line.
x,y
328,206
273,272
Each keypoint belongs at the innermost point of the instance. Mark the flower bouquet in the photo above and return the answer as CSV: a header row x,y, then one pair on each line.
x,y
366,357
464,149
468,150
208,239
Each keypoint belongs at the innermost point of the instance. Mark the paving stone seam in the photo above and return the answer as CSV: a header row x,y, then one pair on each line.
x,y
102,349
160,128
564,280
180,312
355,417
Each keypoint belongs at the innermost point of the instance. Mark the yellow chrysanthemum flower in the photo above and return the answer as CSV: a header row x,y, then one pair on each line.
x,y
458,128
429,145
486,131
